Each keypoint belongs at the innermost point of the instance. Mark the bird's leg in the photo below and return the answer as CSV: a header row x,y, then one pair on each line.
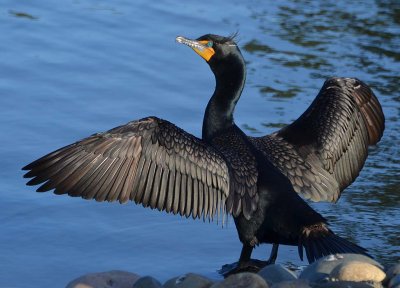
x,y
273,255
244,263
246,253
254,265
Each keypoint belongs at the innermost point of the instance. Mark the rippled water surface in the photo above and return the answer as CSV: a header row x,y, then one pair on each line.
x,y
70,70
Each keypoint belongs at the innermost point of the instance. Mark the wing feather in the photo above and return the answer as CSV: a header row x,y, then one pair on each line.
x,y
328,144
177,192
205,201
170,192
161,203
136,173
189,195
182,198
195,210
156,187
122,191
142,181
149,161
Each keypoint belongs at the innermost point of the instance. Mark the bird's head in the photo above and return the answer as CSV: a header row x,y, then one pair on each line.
x,y
216,50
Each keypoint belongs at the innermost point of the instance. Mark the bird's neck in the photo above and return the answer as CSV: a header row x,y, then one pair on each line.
x,y
230,78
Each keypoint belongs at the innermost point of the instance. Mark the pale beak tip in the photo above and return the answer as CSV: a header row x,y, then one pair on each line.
x,y
179,39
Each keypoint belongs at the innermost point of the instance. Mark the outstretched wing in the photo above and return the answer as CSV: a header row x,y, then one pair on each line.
x,y
323,151
149,161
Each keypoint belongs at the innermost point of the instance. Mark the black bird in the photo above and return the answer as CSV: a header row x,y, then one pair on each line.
x,y
258,180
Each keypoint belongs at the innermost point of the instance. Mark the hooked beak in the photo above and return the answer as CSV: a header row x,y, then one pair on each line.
x,y
200,47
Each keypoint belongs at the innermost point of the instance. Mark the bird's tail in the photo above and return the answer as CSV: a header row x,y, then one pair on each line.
x,y
319,241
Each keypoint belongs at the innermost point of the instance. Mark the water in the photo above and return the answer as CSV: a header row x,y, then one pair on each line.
x,y
71,70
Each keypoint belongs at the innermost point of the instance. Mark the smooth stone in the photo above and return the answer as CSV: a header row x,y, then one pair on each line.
x,y
147,282
292,284
395,282
242,280
392,272
347,284
189,280
276,273
320,269
357,271
110,279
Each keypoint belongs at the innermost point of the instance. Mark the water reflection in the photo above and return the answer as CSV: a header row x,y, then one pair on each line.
x,y
289,93
23,15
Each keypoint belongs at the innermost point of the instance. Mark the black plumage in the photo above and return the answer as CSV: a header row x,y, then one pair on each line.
x,y
255,179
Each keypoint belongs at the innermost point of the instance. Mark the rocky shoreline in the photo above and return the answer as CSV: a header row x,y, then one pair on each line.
x,y
340,270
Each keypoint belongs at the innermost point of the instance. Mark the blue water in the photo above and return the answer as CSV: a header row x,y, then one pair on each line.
x,y
70,70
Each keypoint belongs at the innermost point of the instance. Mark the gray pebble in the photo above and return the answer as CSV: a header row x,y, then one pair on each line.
x,y
276,273
395,282
147,282
242,280
320,270
392,272
189,280
292,284
110,279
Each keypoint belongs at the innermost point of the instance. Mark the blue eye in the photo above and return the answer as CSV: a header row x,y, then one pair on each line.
x,y
210,43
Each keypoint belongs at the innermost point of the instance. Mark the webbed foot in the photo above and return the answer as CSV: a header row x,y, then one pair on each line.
x,y
253,265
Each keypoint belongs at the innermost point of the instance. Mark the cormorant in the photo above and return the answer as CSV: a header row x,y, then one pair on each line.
x,y
258,180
